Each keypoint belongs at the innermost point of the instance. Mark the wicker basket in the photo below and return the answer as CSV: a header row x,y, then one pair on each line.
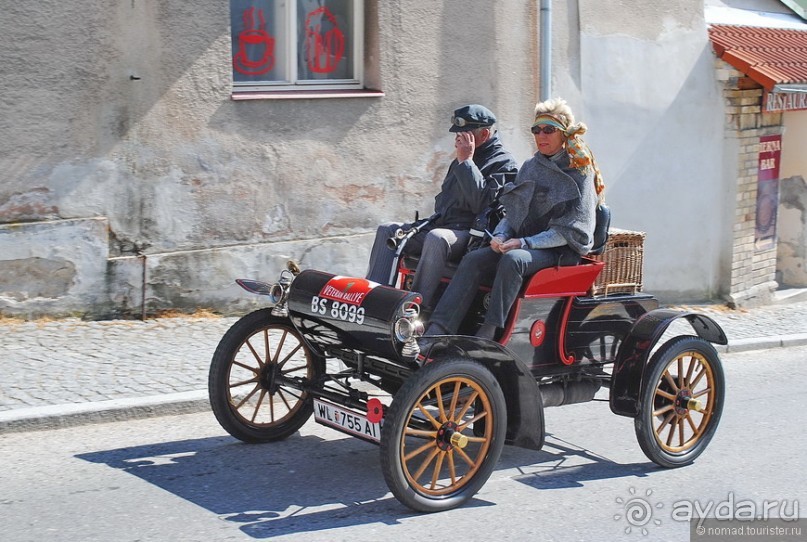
x,y
623,257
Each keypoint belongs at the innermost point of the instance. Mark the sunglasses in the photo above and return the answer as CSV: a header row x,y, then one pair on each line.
x,y
462,123
545,128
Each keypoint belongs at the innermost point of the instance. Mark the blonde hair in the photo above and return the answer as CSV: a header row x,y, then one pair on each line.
x,y
556,107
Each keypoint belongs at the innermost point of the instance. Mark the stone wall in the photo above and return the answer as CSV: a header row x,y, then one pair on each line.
x,y
753,270
54,267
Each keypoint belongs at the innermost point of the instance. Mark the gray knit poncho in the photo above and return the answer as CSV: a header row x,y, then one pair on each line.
x,y
548,194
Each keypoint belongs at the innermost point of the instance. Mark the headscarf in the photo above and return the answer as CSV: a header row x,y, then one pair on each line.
x,y
580,155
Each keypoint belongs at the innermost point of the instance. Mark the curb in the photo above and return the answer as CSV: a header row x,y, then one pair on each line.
x,y
74,414
761,343
60,416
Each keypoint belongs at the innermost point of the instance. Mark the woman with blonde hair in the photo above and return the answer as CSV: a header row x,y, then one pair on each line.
x,y
550,221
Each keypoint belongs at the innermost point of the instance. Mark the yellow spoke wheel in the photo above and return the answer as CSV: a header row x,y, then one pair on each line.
x,y
443,434
682,399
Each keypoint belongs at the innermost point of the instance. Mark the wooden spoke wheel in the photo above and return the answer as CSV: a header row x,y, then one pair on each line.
x,y
258,376
602,340
681,402
443,435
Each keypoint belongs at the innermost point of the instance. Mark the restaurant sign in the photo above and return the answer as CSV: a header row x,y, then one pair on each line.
x,y
777,102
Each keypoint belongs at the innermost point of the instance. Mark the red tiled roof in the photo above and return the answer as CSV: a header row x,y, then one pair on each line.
x,y
769,56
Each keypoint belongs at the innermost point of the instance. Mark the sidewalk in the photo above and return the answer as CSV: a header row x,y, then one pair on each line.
x,y
69,372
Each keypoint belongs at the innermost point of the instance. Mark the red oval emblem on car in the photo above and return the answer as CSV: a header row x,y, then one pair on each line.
x,y
537,333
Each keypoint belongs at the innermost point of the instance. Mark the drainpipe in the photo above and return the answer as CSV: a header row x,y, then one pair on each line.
x,y
546,50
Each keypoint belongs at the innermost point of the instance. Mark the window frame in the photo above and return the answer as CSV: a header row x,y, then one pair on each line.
x,y
326,87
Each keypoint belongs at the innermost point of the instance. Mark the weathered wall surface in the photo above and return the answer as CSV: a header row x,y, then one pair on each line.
x,y
645,85
124,112
792,221
54,264
794,159
791,255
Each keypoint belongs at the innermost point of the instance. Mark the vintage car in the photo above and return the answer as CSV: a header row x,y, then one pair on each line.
x,y
346,350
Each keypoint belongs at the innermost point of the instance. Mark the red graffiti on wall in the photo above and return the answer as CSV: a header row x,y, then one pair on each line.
x,y
323,51
254,35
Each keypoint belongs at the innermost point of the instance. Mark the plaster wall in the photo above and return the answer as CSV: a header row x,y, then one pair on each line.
x,y
767,6
792,220
646,87
794,159
124,111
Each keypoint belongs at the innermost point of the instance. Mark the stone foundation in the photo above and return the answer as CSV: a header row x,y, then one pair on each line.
x,y
63,268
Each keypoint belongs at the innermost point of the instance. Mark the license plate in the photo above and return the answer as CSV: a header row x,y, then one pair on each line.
x,y
347,421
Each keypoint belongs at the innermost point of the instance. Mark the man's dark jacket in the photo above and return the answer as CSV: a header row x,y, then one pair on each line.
x,y
470,186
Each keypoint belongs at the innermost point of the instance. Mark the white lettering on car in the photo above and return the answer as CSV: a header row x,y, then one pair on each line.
x,y
339,310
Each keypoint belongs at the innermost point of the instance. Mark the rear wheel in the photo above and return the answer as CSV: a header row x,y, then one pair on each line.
x,y
443,435
681,402
257,377
602,340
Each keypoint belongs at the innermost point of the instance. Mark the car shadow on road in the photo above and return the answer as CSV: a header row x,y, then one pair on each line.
x,y
563,464
306,484
301,484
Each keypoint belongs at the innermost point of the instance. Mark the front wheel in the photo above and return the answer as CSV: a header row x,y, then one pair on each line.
x,y
443,435
681,402
258,377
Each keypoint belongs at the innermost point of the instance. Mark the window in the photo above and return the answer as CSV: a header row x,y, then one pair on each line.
x,y
281,45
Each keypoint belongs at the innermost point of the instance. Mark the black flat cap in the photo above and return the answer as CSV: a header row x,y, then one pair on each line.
x,y
471,117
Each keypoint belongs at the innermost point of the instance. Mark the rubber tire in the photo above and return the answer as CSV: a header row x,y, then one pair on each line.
x,y
644,422
403,404
219,389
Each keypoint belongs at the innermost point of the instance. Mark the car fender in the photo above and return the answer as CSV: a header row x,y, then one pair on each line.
x,y
525,410
634,354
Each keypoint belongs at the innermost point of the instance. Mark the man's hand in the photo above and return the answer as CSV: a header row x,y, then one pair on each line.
x,y
465,144
498,244
510,244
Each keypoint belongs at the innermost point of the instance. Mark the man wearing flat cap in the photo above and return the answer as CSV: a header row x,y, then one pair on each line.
x,y
481,167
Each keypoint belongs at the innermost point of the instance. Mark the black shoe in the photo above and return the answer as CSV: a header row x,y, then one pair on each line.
x,y
486,331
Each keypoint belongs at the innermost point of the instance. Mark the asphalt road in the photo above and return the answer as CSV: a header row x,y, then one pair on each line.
x,y
181,478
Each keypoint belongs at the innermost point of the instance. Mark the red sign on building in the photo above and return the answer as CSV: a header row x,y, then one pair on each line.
x,y
770,152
